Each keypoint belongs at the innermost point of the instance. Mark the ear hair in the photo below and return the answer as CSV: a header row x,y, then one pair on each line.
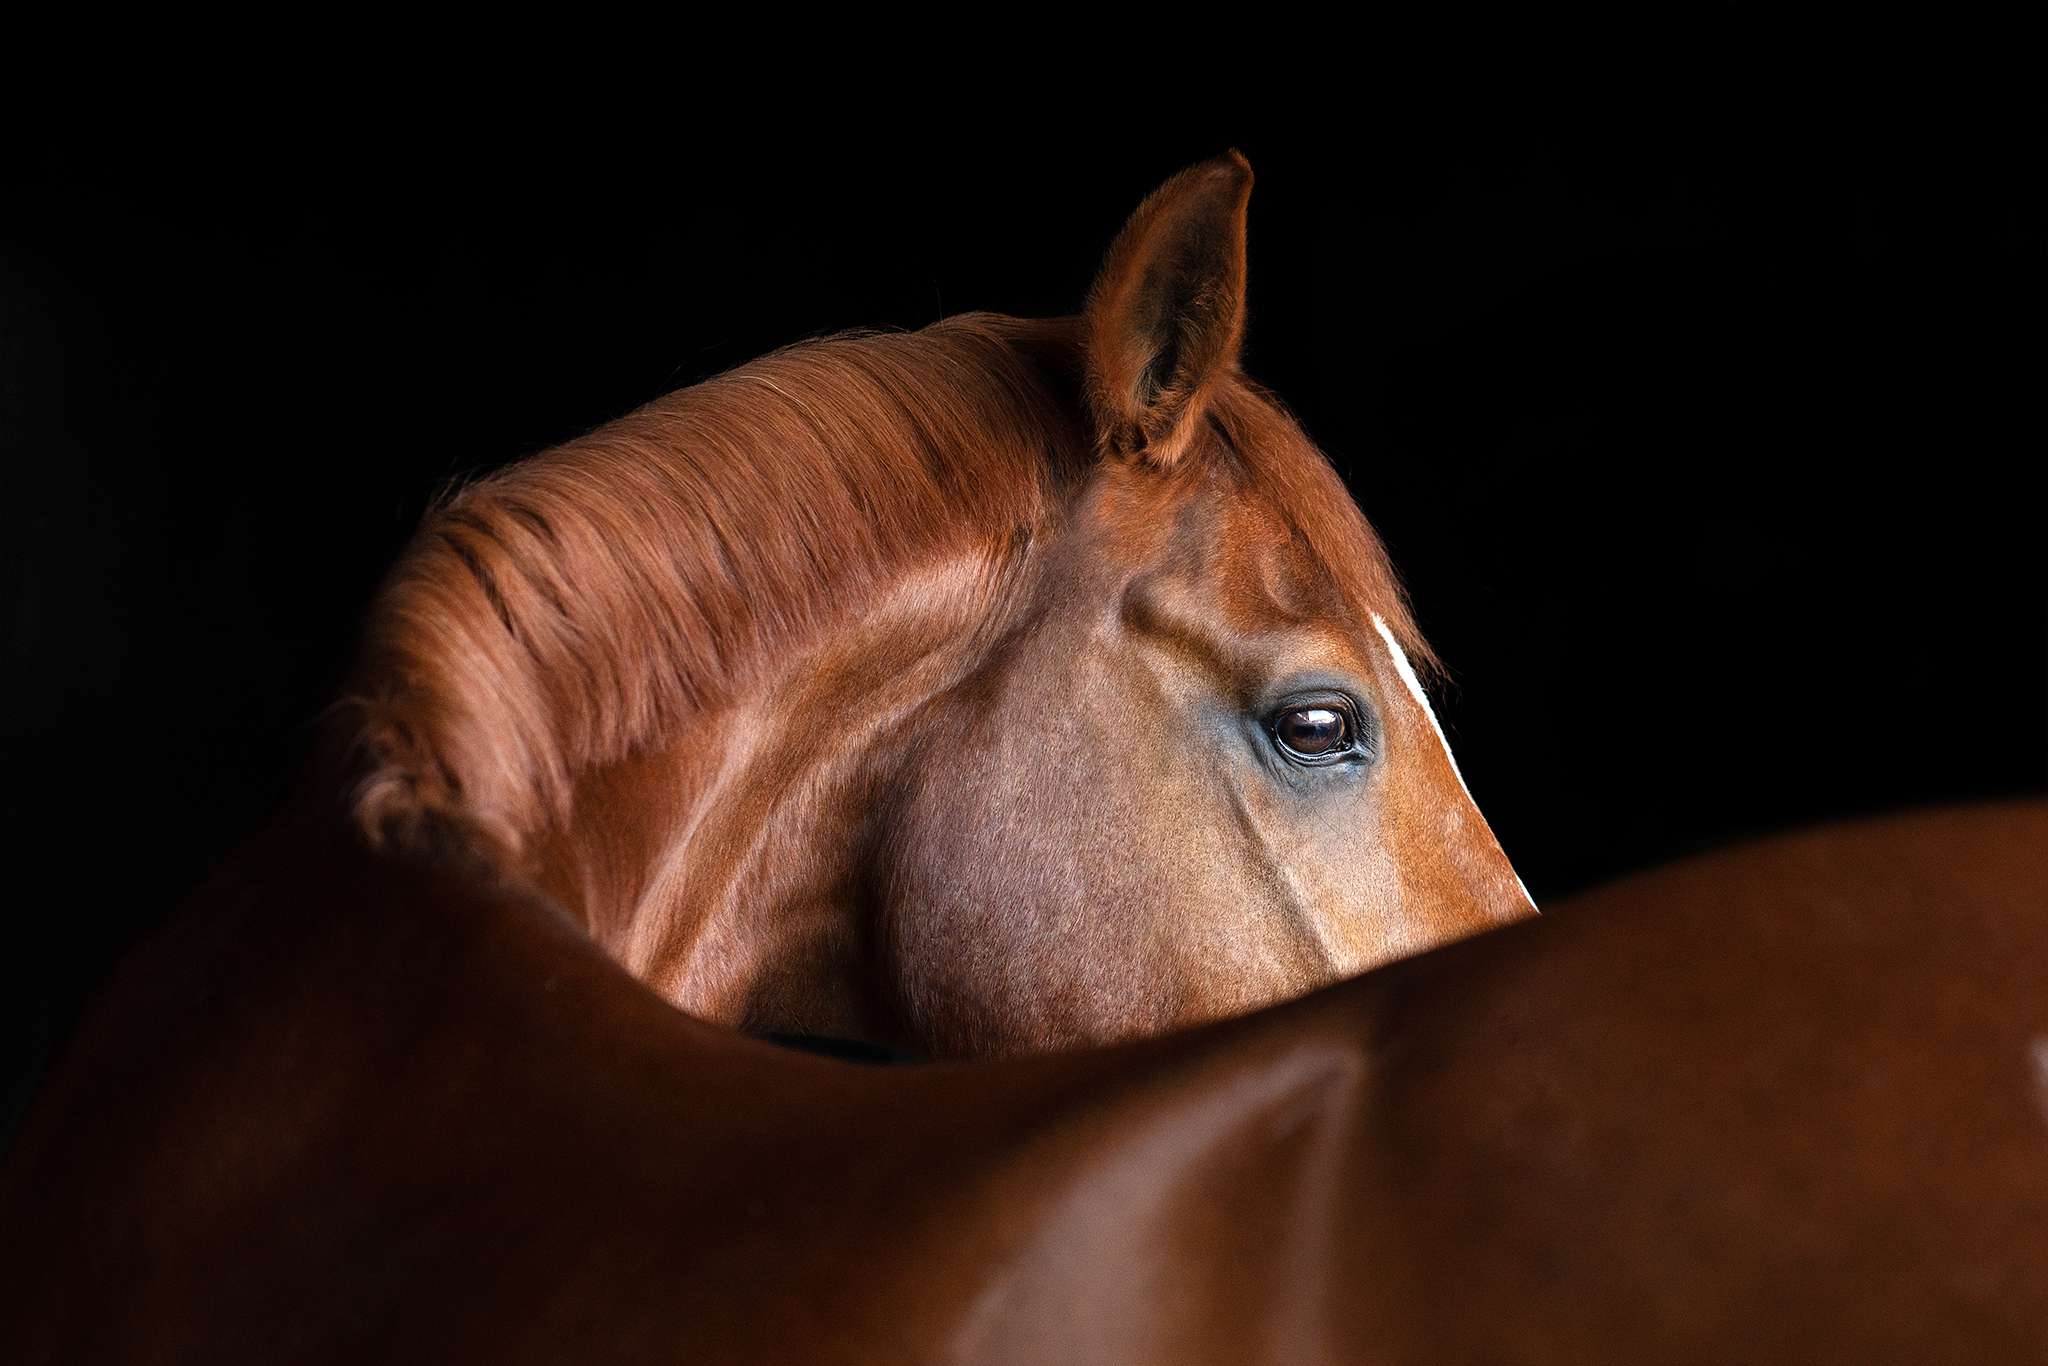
x,y
1166,315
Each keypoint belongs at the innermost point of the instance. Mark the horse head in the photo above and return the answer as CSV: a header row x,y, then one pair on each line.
x,y
1002,686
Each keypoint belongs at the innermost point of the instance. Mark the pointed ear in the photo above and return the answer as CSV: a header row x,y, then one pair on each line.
x,y
1167,312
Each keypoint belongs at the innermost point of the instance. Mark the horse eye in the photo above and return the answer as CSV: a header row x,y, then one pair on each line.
x,y
1313,732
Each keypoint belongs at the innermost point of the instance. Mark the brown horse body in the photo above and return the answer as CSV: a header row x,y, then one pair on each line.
x,y
1785,1104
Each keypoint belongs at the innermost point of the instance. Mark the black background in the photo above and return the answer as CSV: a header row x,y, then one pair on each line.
x,y
1709,455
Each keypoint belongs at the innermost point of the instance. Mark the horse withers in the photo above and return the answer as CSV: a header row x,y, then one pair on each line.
x,y
1003,686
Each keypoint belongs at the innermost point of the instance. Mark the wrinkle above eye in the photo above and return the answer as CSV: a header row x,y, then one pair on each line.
x,y
1292,663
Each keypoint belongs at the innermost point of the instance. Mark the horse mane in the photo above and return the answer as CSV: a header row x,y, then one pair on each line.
x,y
587,602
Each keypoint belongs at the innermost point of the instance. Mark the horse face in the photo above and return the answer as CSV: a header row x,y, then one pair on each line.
x,y
1194,782
1199,774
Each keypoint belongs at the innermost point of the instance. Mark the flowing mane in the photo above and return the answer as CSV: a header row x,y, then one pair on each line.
x,y
587,602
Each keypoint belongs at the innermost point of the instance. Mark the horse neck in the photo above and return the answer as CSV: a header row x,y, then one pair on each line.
x,y
733,868
577,670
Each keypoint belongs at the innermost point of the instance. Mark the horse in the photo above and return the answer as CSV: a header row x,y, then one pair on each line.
x,y
1008,685
1785,1103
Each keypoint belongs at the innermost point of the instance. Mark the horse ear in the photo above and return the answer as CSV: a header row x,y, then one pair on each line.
x,y
1167,312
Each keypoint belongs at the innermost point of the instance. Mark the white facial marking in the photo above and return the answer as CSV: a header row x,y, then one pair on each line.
x,y
1407,672
1414,685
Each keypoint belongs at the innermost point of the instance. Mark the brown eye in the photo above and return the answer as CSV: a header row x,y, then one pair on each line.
x,y
1313,732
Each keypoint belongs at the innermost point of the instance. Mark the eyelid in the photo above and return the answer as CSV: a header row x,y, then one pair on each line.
x,y
1331,698
1328,698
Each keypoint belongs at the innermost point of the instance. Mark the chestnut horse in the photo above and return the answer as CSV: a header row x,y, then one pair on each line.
x,y
1788,1105
1003,686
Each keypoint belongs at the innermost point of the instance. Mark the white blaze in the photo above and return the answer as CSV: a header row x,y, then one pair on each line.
x,y
1414,685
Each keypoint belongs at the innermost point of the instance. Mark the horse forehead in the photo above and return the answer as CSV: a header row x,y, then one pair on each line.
x,y
1245,556
1214,540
